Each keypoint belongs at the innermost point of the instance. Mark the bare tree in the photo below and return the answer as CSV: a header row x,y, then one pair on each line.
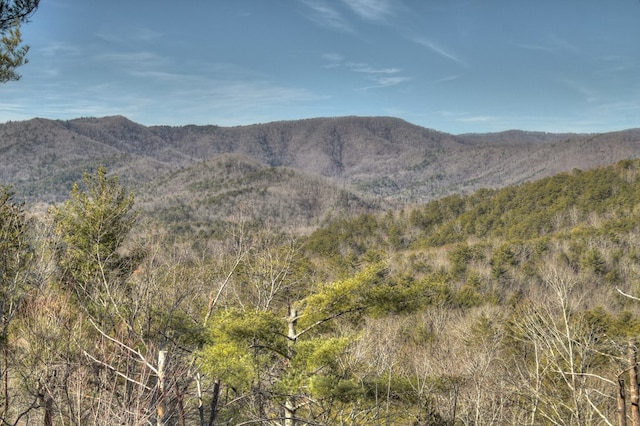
x,y
556,378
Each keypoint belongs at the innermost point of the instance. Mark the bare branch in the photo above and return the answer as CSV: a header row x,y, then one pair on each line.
x,y
110,367
125,346
568,373
322,321
628,295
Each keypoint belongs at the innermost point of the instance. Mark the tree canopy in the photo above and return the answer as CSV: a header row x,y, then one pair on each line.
x,y
513,306
13,13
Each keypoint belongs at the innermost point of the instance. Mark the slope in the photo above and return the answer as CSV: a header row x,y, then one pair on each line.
x,y
382,158
233,186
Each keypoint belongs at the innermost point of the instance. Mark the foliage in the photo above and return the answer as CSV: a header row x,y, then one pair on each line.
x,y
12,55
92,227
349,296
17,280
300,352
498,307
237,337
16,254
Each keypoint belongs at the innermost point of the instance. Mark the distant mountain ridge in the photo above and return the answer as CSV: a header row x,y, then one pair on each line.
x,y
384,159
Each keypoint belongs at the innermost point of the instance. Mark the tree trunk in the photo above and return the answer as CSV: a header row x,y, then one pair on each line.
x,y
214,402
622,409
45,401
4,373
632,352
180,401
290,411
162,401
290,403
48,411
200,403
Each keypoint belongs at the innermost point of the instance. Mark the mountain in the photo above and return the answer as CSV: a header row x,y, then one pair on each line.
x,y
375,162
233,185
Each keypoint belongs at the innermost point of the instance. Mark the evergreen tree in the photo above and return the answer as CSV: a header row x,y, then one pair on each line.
x,y
289,367
12,54
91,228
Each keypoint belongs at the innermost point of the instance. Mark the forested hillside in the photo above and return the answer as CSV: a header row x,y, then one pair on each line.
x,y
199,198
503,306
377,158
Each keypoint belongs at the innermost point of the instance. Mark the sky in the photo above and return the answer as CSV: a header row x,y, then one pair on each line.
x,y
456,66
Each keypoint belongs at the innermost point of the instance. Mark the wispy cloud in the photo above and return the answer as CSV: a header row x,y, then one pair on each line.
x,y
131,57
380,76
436,48
130,35
146,34
168,98
562,43
618,107
587,93
243,94
158,75
229,101
467,117
382,82
478,119
325,15
448,78
10,107
366,69
552,44
227,93
538,47
133,62
57,48
333,60
372,10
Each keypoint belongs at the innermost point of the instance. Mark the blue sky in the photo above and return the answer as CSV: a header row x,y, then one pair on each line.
x,y
452,65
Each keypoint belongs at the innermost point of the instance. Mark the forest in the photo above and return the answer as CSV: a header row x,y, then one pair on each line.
x,y
517,305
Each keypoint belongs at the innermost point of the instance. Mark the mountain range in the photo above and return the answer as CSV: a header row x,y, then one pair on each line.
x,y
302,171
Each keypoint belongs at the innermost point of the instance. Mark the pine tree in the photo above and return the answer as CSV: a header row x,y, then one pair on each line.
x,y
12,55
91,228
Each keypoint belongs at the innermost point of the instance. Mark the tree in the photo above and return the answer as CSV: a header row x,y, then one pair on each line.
x,y
12,11
284,364
561,363
121,372
92,227
12,55
16,256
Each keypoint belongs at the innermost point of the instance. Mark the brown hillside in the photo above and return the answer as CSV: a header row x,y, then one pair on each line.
x,y
382,159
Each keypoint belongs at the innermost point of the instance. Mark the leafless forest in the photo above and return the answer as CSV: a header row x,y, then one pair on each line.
x,y
334,271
